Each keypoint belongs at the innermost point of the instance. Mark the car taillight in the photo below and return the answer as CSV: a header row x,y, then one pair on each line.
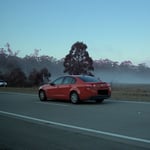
x,y
109,88
93,85
90,86
108,84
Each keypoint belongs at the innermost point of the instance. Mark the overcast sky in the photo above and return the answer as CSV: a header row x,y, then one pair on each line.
x,y
115,29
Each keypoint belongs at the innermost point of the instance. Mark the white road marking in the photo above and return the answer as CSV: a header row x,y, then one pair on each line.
x,y
51,103
78,128
133,102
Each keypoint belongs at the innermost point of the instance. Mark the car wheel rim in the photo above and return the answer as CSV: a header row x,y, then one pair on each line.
x,y
74,98
42,95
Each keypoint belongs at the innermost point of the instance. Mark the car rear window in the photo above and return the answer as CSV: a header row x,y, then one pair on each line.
x,y
89,79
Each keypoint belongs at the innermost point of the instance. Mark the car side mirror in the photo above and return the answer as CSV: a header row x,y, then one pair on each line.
x,y
52,84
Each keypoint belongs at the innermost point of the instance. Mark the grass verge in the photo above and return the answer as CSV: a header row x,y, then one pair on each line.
x,y
135,92
33,90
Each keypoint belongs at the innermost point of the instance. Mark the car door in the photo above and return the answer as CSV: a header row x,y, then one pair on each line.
x,y
66,86
54,90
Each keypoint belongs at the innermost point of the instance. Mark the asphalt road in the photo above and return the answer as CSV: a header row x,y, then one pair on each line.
x,y
26,123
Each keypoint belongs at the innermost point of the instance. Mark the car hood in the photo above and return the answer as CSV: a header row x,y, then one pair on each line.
x,y
44,86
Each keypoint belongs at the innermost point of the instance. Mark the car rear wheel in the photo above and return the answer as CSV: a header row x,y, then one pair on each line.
x,y
99,100
74,98
42,96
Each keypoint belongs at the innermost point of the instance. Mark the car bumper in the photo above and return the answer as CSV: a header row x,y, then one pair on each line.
x,y
100,97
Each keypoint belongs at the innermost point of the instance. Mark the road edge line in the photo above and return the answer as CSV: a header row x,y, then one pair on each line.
x,y
78,128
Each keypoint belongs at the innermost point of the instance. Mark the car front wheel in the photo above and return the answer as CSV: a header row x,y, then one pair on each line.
x,y
42,95
74,98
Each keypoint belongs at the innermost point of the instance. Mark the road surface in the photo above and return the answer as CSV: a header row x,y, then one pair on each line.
x,y
26,123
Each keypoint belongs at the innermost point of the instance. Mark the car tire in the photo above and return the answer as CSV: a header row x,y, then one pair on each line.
x,y
42,95
74,98
99,100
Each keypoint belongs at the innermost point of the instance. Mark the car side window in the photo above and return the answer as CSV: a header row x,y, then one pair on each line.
x,y
58,81
69,80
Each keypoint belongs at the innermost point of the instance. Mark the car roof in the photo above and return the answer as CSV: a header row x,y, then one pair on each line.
x,y
77,76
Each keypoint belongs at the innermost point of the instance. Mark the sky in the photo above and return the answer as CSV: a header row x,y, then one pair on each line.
x,y
115,29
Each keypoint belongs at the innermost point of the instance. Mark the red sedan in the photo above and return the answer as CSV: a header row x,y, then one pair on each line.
x,y
75,88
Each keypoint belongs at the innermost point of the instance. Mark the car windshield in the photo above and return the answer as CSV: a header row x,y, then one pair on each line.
x,y
89,79
58,81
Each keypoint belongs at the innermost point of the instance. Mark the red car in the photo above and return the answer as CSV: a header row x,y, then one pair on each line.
x,y
75,88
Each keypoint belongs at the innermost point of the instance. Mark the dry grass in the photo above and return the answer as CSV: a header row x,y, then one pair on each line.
x,y
136,92
133,92
33,90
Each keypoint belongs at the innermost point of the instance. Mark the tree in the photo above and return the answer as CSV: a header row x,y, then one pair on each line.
x,y
16,77
78,60
45,74
10,51
37,78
